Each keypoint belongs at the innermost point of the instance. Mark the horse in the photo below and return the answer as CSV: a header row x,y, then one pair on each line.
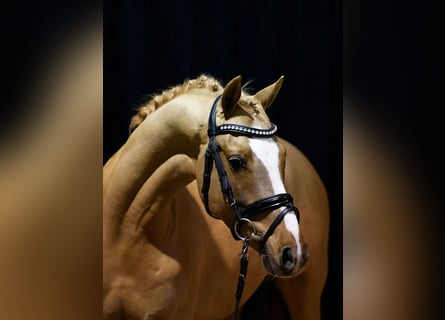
x,y
201,169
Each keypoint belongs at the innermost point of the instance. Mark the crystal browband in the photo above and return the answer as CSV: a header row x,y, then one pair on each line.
x,y
246,131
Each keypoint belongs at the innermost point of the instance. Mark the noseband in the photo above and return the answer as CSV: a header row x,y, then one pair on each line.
x,y
242,213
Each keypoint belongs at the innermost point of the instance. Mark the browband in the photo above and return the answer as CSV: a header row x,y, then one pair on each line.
x,y
237,129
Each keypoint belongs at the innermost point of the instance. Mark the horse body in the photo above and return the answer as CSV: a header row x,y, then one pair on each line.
x,y
164,256
174,268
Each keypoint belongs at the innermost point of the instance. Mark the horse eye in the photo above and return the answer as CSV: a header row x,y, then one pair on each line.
x,y
237,162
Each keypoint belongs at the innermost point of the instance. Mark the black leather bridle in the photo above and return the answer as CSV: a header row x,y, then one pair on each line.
x,y
242,213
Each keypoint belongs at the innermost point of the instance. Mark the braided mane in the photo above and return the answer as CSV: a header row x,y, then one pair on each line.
x,y
157,101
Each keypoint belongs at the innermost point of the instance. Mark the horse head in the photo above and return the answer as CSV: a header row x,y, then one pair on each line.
x,y
243,182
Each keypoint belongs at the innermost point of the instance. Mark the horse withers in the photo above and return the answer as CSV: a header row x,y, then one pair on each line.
x,y
202,168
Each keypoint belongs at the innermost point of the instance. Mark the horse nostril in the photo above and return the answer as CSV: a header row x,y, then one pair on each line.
x,y
287,260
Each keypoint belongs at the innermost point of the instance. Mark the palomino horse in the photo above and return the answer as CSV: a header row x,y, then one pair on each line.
x,y
200,147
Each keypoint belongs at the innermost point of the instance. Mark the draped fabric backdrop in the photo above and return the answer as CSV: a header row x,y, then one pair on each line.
x,y
150,45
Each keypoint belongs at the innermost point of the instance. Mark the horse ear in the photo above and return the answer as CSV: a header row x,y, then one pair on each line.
x,y
267,95
231,95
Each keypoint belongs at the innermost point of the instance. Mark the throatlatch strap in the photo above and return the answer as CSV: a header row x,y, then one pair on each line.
x,y
212,155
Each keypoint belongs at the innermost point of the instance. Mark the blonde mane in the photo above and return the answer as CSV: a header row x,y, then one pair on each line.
x,y
157,101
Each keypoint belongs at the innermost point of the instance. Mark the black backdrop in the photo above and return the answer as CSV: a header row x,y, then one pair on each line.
x,y
150,45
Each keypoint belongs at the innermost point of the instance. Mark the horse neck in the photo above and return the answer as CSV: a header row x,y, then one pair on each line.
x,y
175,128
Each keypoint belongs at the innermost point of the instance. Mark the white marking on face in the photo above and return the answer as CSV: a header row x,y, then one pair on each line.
x,y
291,223
266,150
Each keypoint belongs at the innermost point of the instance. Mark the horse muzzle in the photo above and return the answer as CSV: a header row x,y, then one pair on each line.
x,y
279,243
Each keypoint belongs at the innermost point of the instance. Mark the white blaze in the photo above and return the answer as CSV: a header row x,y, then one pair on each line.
x,y
291,223
266,150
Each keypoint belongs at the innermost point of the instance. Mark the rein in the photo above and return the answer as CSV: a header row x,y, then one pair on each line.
x,y
242,214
